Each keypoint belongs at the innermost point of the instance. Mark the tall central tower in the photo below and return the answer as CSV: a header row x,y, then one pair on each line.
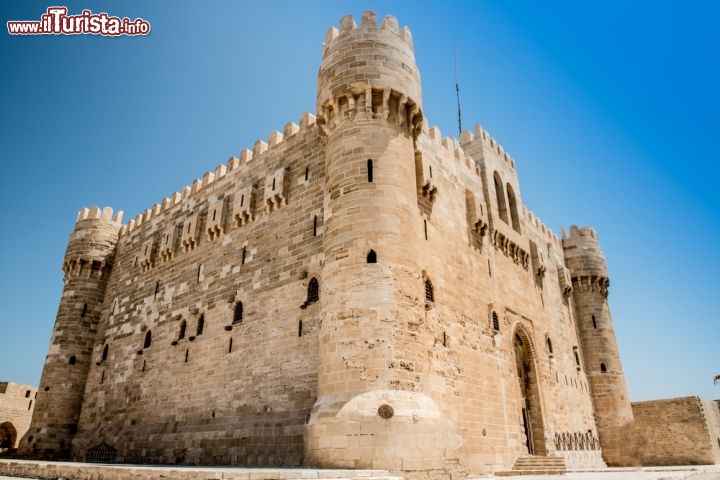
x,y
370,410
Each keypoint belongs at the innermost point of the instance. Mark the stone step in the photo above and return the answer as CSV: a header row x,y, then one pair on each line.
x,y
535,465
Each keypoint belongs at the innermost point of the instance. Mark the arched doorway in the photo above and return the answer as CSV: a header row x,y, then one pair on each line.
x,y
8,436
533,436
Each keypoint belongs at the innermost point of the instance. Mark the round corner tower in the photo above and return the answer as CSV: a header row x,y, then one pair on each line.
x,y
86,267
611,404
369,109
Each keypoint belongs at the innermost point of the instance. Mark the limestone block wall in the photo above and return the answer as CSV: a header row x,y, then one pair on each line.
x,y
207,346
678,431
17,402
471,369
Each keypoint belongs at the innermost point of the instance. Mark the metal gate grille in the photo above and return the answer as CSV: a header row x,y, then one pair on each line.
x,y
102,453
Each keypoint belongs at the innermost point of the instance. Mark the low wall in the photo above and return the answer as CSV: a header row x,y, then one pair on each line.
x,y
678,431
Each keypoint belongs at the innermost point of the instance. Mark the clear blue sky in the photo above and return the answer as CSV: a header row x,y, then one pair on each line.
x,y
611,110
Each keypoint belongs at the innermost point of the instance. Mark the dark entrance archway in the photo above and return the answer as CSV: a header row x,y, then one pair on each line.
x,y
531,411
8,435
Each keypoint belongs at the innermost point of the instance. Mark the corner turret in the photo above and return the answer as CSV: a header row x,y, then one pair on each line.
x,y
590,284
86,267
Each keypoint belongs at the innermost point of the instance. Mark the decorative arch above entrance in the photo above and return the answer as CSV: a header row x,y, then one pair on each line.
x,y
532,425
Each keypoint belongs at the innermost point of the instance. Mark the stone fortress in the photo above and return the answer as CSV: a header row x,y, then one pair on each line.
x,y
358,292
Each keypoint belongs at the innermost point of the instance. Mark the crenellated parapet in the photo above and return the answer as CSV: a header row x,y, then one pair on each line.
x,y
483,137
369,72
243,213
91,246
585,260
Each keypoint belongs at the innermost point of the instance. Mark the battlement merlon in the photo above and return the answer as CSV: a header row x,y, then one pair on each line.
x,y
94,212
368,20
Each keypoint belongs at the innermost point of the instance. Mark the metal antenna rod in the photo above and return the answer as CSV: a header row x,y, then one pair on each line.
x,y
457,89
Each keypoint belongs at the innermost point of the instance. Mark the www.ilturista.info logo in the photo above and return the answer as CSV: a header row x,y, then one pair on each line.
x,y
57,22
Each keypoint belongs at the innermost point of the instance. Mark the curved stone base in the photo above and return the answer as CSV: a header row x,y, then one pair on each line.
x,y
387,429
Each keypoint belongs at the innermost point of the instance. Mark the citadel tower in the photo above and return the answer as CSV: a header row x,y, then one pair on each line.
x,y
369,107
613,413
86,267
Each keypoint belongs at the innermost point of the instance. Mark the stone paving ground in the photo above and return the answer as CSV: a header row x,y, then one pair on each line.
x,y
699,472
694,472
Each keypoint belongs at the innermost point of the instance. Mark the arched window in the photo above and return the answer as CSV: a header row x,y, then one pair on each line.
x,y
238,315
500,197
512,203
549,346
603,368
495,321
72,360
148,339
372,257
313,292
105,353
200,325
181,333
370,170
429,291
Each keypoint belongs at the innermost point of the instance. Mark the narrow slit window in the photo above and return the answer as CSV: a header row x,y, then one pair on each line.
x,y
307,173
495,321
230,346
549,346
84,310
148,339
315,226
372,257
200,325
577,358
300,328
187,354
313,292
157,289
105,353
425,227
429,291
244,254
181,333
594,322
238,315
370,170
